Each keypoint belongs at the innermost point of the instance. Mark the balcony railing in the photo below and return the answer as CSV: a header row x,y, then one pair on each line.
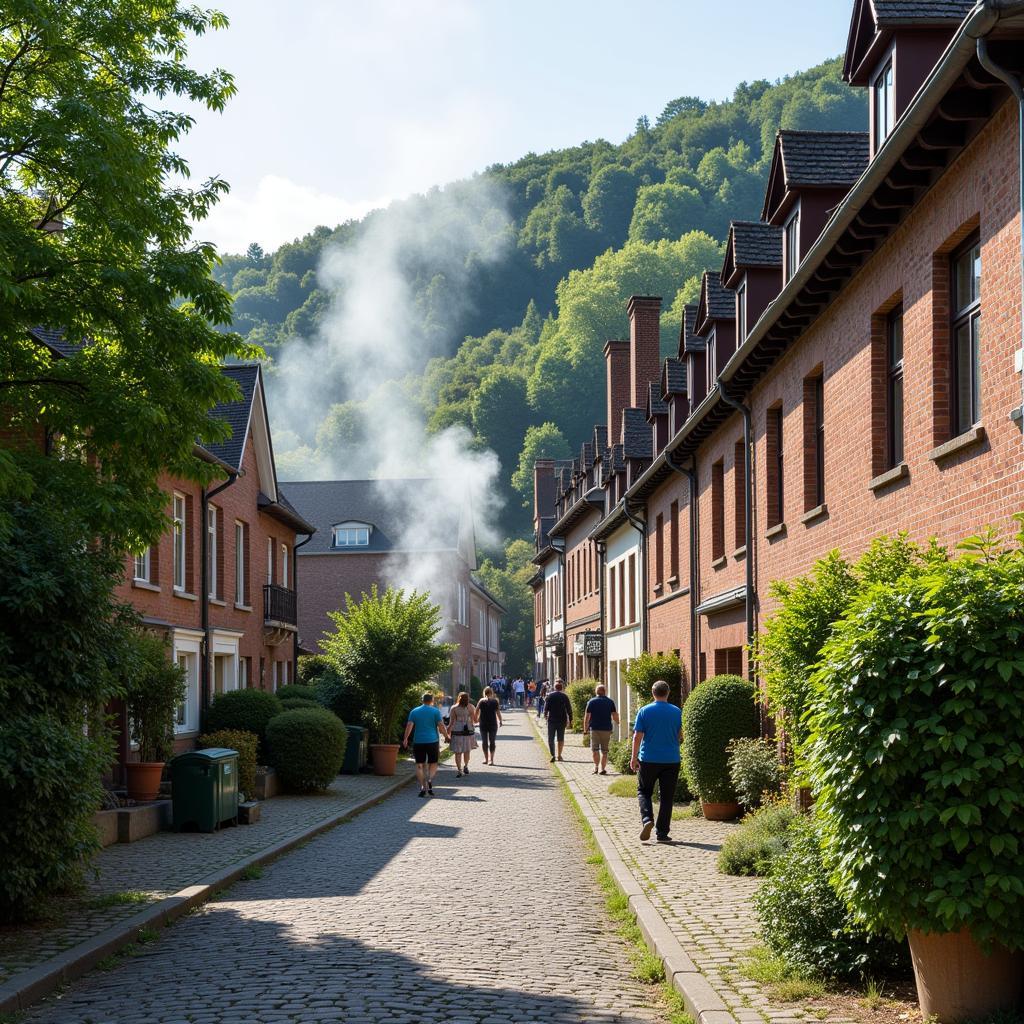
x,y
279,604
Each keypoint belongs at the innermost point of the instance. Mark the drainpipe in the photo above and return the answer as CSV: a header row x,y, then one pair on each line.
x,y
204,590
295,587
1014,84
601,547
563,662
641,527
691,475
748,525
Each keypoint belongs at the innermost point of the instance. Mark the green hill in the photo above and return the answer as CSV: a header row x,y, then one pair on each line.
x,y
512,281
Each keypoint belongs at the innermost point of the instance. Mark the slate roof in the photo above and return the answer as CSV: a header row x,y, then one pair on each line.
x,y
619,457
656,405
636,434
822,159
691,342
587,455
389,506
235,414
716,302
755,244
54,341
674,376
890,12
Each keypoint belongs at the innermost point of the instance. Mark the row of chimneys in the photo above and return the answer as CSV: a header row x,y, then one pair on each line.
x,y
631,366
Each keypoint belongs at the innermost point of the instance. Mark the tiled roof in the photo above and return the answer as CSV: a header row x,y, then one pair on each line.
x,y
636,434
389,506
54,340
235,414
619,457
716,302
896,11
691,341
756,244
674,375
823,158
656,405
587,455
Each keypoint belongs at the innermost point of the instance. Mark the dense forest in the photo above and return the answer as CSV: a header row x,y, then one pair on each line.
x,y
512,282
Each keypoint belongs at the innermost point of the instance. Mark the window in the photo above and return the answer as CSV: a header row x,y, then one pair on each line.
x,y
739,476
243,673
632,589
792,238
741,313
814,441
884,105
612,620
775,497
673,541
351,536
966,335
142,567
284,565
729,661
211,548
894,388
659,549
270,560
241,557
178,517
712,360
186,717
622,594
717,511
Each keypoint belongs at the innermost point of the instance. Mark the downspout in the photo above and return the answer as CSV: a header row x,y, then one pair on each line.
x,y
204,589
295,587
641,527
601,547
748,525
563,662
691,475
1015,86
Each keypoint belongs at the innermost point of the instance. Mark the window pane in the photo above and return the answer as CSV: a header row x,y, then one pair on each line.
x,y
896,341
964,279
964,389
896,421
975,369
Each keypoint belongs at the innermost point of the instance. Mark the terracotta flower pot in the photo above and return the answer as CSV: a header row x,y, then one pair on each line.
x,y
956,981
720,811
143,779
385,758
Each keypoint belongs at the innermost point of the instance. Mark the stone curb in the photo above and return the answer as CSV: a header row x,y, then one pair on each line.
x,y
28,987
702,1002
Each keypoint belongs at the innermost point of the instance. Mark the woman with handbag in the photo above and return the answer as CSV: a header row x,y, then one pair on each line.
x,y
463,732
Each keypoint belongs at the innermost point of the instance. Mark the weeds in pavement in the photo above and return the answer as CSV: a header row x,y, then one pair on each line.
x,y
676,1007
783,982
626,786
119,899
147,935
251,873
874,995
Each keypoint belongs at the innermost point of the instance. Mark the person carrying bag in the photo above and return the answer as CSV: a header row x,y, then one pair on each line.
x,y
463,732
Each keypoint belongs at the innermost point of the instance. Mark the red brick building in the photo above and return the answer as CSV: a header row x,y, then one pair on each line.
x,y
854,367
416,534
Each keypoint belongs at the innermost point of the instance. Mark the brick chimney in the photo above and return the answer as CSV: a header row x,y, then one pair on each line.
x,y
644,346
616,363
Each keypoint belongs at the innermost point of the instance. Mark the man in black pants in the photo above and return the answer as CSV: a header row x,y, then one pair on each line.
x,y
558,712
657,733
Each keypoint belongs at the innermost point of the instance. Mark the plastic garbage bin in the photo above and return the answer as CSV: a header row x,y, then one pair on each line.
x,y
355,750
204,788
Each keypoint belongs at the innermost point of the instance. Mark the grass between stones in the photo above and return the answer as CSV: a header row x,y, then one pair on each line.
x,y
120,899
782,981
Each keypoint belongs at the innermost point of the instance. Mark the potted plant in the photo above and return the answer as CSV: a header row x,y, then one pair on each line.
x,y
386,645
716,713
915,753
154,689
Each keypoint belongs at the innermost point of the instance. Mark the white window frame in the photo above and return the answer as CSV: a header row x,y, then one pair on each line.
x,y
211,548
350,535
141,572
239,564
179,517
187,646
791,232
284,565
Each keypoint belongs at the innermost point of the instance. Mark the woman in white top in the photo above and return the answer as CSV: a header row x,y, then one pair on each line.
x,y
463,732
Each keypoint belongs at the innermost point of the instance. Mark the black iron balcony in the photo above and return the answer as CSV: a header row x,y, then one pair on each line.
x,y
279,605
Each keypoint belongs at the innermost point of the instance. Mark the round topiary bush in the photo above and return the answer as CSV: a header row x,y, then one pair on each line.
x,y
247,710
716,713
246,743
307,747
291,703
297,691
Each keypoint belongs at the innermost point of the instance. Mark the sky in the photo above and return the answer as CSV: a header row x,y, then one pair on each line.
x,y
344,105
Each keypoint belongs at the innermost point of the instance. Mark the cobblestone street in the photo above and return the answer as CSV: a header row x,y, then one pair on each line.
x,y
475,906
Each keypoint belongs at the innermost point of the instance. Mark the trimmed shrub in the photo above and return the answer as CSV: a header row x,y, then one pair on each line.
x,y
804,921
755,770
579,693
342,697
307,747
619,753
717,712
295,691
246,743
643,672
476,688
153,692
762,837
291,703
245,710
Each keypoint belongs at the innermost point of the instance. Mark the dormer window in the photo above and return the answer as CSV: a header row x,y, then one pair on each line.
x,y
792,246
712,360
351,535
741,313
884,105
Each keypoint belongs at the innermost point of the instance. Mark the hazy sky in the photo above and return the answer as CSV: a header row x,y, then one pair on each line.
x,y
343,105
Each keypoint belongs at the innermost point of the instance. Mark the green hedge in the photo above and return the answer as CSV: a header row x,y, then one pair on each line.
x,y
291,703
643,672
755,770
716,712
579,692
246,710
297,691
307,747
760,840
246,743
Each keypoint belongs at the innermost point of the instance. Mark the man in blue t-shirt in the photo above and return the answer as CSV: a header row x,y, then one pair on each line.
x,y
657,732
598,720
424,725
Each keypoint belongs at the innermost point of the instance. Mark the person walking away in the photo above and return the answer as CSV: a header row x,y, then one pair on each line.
x,y
598,720
558,712
520,690
531,691
425,725
446,707
488,715
463,733
542,694
657,733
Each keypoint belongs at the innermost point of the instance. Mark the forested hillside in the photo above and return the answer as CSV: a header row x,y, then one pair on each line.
x,y
506,329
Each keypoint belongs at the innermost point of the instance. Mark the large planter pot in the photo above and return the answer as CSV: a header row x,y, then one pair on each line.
x,y
720,811
143,779
956,981
385,758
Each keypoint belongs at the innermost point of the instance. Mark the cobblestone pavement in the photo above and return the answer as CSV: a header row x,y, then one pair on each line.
x,y
167,862
711,914
475,906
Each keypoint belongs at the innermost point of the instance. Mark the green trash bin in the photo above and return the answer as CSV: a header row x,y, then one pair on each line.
x,y
355,750
204,788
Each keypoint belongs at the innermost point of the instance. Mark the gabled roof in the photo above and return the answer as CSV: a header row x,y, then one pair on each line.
x,y
751,244
478,584
716,302
656,405
688,339
673,377
807,160
389,506
600,440
636,434
235,414
618,459
54,341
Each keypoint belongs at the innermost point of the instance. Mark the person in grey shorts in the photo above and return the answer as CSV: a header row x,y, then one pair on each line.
x,y
598,720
